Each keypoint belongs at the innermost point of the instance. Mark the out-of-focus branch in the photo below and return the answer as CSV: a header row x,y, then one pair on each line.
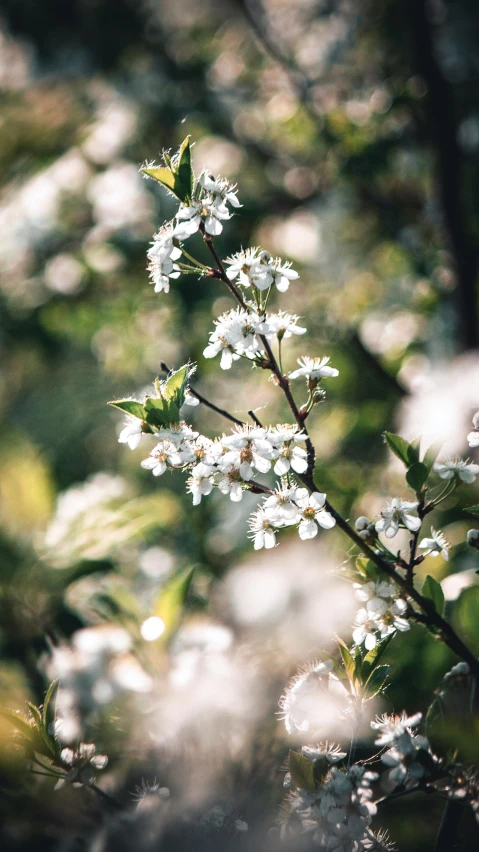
x,y
444,125
303,85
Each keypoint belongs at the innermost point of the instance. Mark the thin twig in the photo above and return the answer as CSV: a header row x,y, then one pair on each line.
x,y
255,419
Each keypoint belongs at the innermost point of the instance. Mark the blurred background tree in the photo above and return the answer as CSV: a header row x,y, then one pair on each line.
x,y
353,130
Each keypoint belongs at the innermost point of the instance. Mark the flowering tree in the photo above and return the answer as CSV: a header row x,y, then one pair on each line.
x,y
333,797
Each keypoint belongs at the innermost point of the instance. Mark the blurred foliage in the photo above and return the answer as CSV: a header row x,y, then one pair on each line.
x,y
327,116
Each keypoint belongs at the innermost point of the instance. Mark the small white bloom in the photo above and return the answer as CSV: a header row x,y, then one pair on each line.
x,y
282,325
436,545
200,483
240,264
261,530
314,368
219,188
83,764
281,506
235,335
396,514
209,211
450,468
312,514
131,433
164,455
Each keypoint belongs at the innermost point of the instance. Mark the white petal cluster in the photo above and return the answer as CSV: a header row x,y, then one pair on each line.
x,y
435,545
81,765
314,369
382,614
339,813
302,705
256,268
473,437
451,467
161,258
208,208
290,506
235,335
131,433
396,733
395,515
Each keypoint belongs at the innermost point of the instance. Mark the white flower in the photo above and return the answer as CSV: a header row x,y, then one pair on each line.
x,y
161,256
312,514
395,732
131,433
301,704
262,533
206,210
190,399
331,752
164,455
247,448
219,187
282,275
383,614
394,515
235,335
314,368
240,264
281,507
201,482
436,544
450,468
82,763
291,457
282,325
231,483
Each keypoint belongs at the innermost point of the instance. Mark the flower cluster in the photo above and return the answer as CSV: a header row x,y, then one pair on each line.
x,y
81,765
256,268
208,209
339,813
290,506
403,747
237,334
161,258
382,614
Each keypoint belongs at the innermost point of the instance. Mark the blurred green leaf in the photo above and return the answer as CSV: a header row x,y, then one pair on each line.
x,y
432,590
348,659
473,510
46,704
302,771
366,568
169,603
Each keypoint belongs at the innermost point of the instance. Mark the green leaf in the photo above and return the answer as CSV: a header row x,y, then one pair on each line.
x,y
184,170
302,771
473,510
131,406
431,455
376,680
417,476
372,658
35,713
366,568
175,386
348,659
48,699
18,721
407,453
178,177
169,603
161,412
432,590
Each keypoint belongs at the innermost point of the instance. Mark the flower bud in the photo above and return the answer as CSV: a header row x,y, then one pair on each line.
x,y
362,523
473,538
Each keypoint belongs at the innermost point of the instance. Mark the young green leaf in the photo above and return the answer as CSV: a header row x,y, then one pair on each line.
x,y
371,660
407,453
175,386
184,170
366,568
18,721
417,476
376,680
348,659
302,771
431,455
48,700
130,406
432,590
161,412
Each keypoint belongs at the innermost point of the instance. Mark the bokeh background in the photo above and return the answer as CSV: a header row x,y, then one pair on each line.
x,y
352,129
